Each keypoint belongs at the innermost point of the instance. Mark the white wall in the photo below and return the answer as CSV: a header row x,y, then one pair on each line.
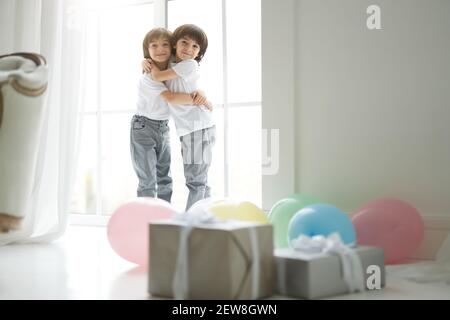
x,y
371,107
278,74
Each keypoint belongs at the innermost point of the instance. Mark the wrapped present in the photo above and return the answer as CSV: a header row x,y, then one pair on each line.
x,y
210,259
318,267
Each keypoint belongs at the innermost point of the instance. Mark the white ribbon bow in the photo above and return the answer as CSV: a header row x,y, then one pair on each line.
x,y
194,218
351,263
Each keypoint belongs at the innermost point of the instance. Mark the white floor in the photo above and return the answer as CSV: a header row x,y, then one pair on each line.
x,y
82,265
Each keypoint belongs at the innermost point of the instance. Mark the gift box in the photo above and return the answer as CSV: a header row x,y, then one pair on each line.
x,y
225,260
317,275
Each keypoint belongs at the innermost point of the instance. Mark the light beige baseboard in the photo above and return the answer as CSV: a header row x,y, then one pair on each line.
x,y
437,229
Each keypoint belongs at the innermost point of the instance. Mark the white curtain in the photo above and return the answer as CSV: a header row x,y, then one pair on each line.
x,y
55,29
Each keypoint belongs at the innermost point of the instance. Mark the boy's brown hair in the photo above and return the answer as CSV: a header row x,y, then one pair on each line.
x,y
193,32
154,35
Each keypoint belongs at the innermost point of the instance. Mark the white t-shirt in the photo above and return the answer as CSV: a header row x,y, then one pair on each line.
x,y
150,104
187,118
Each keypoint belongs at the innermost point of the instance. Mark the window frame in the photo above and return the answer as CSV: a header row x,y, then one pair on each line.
x,y
160,20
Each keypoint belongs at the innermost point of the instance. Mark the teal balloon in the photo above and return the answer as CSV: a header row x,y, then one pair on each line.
x,y
322,219
282,212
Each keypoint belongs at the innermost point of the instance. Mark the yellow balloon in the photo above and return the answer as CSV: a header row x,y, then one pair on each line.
x,y
245,211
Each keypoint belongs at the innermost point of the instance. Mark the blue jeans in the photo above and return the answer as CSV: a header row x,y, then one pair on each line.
x,y
196,149
150,154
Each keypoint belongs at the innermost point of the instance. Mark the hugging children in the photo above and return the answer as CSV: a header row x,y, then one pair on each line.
x,y
169,88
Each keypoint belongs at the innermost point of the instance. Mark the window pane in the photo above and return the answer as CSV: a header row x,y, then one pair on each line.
x,y
119,181
244,133
244,50
216,171
122,30
85,190
207,15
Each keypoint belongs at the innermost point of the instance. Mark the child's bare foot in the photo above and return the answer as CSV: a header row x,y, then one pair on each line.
x,y
9,223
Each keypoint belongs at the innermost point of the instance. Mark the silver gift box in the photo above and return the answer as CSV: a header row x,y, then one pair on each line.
x,y
220,260
310,276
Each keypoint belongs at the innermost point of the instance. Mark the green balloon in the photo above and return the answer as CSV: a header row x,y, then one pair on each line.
x,y
282,212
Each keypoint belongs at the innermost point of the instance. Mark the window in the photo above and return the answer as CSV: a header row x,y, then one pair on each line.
x,y
105,177
230,76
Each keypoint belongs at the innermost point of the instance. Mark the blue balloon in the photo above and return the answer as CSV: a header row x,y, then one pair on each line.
x,y
321,219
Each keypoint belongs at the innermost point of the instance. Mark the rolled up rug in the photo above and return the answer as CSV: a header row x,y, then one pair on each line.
x,y
23,84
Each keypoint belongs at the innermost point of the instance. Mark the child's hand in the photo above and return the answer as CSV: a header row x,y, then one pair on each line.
x,y
147,65
209,105
153,66
198,98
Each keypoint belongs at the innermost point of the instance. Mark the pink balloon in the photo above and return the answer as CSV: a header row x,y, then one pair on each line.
x,y
128,227
394,225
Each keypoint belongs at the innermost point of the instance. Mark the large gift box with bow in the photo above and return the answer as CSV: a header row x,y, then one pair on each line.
x,y
221,260
321,267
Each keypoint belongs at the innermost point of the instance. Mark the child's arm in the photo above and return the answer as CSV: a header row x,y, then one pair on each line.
x,y
162,75
197,98
149,67
200,99
146,66
177,98
186,99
